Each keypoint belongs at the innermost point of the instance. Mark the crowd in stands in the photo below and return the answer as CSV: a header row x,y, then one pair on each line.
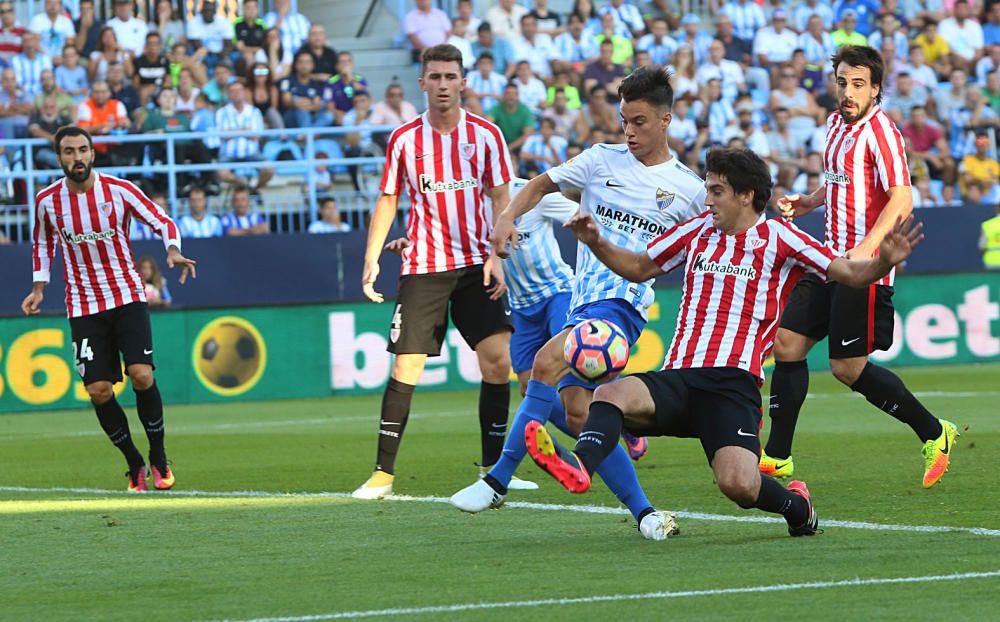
x,y
745,73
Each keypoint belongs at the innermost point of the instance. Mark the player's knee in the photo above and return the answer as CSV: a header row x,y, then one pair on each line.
x,y
495,369
788,346
739,487
141,376
846,371
546,367
612,394
100,392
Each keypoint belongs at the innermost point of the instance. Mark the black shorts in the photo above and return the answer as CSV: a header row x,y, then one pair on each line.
x,y
420,319
718,405
102,340
857,321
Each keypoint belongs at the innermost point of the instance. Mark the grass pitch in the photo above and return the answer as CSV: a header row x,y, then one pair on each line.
x,y
203,554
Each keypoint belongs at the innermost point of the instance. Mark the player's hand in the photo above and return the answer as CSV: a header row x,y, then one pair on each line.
x,y
32,302
792,205
397,246
503,233
174,258
584,228
368,281
897,245
493,279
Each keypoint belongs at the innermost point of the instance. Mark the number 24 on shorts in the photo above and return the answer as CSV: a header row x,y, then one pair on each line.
x,y
84,351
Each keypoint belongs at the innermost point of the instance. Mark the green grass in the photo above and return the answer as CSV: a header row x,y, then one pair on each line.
x,y
83,556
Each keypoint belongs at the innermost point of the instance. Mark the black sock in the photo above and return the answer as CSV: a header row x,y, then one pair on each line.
x,y
494,484
600,434
776,498
884,390
494,406
115,425
395,412
149,405
789,385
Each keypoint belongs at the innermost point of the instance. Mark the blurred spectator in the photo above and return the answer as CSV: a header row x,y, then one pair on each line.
x,y
207,149
963,34
889,29
922,73
848,33
169,25
155,286
198,223
10,33
694,37
714,110
929,145
165,118
248,33
813,167
339,92
29,65
15,107
587,10
534,47
324,56
459,40
240,116
923,10
753,137
979,173
65,104
947,100
747,18
44,124
989,242
53,28
682,131
505,18
122,90
130,30
658,43
543,150
733,48
180,61
530,89
472,23
301,96
936,49
864,12
599,115
88,29
501,49
70,76
394,109
728,72
425,26
152,69
991,29
906,97
279,58
567,121
487,84
787,149
329,219
625,14
774,44
987,64
242,221
217,88
684,82
108,51
603,71
265,96
808,75
797,101
293,26
622,51
574,48
549,22
514,119
101,115
967,120
808,8
209,31
992,90
186,91
358,143
563,82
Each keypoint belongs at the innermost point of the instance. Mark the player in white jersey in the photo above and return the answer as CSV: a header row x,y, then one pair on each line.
x,y
739,267
88,214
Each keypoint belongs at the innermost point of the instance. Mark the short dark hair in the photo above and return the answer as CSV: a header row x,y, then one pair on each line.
x,y
196,189
485,55
648,84
862,56
238,188
744,170
71,130
444,52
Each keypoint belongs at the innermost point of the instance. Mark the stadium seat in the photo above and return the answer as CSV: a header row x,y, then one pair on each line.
x,y
274,148
332,149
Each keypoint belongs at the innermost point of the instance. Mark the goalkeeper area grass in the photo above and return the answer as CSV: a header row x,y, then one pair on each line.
x,y
261,525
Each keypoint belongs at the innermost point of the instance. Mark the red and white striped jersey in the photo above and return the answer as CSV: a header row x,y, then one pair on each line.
x,y
446,177
734,288
862,161
92,229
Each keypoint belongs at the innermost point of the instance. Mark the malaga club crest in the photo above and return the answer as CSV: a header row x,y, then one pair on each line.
x,y
664,199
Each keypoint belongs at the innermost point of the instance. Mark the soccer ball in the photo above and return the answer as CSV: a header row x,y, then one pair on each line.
x,y
228,356
596,351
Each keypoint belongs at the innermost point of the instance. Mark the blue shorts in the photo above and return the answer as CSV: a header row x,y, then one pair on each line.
x,y
534,326
618,312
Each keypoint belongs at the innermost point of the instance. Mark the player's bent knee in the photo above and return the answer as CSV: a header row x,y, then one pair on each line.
x,y
141,376
100,392
791,346
739,488
847,371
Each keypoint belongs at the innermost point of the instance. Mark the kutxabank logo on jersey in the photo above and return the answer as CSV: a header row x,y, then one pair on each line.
x,y
627,222
93,236
701,263
838,178
428,185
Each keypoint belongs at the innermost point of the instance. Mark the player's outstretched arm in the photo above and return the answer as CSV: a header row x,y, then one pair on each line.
x,y
794,205
382,216
504,231
636,267
900,206
174,258
895,247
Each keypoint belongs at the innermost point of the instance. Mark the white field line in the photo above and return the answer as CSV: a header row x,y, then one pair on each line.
x,y
549,507
753,589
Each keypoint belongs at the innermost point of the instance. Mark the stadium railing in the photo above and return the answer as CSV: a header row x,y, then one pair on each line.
x,y
19,156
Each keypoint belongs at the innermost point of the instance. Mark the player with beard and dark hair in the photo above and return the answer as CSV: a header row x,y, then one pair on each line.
x,y
88,215
867,190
